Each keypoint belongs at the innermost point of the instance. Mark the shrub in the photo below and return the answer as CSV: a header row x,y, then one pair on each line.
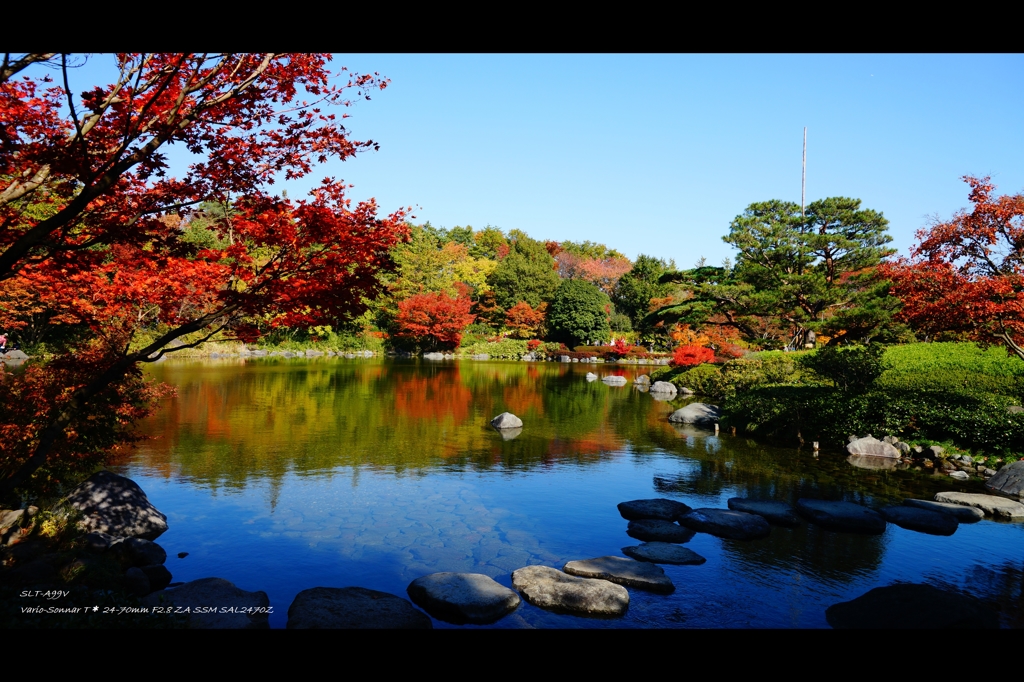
x,y
688,356
851,368
704,380
506,348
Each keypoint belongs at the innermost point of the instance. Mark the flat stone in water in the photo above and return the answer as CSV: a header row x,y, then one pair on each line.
x,y
774,512
462,597
507,420
644,576
549,588
661,508
657,530
958,511
726,523
614,380
353,608
922,520
701,414
910,606
990,504
845,517
664,553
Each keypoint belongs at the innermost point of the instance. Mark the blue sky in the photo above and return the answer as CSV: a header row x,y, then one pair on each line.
x,y
657,154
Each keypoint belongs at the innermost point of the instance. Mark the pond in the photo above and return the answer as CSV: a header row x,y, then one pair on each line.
x,y
281,475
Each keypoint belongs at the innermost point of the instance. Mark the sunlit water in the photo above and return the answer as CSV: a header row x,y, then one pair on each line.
x,y
281,475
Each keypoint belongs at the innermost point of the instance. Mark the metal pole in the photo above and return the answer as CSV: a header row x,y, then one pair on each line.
x,y
803,178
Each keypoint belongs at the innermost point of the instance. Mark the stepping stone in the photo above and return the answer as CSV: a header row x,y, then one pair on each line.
x,y
507,420
657,530
726,523
921,520
775,513
616,569
910,606
215,592
661,508
664,553
462,597
990,504
353,608
549,588
958,511
845,517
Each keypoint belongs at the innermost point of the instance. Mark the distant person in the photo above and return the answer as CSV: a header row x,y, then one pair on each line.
x,y
3,343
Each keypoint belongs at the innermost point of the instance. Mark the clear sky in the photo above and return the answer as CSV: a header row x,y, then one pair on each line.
x,y
658,153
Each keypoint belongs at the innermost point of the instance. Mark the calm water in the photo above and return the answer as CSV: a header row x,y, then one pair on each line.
x,y
280,475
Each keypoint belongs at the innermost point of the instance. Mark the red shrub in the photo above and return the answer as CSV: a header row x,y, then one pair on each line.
x,y
689,356
433,320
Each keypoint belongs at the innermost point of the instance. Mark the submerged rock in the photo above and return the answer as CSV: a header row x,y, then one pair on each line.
x,y
657,530
726,523
958,511
353,608
664,553
660,508
549,588
252,608
116,505
616,569
507,420
992,505
922,520
911,606
775,513
696,413
841,516
1009,480
462,597
873,462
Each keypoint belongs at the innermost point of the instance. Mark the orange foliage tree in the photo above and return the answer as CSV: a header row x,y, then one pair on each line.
x,y
966,275
524,321
433,321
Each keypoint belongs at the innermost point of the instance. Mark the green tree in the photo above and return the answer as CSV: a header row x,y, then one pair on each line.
x,y
636,288
797,274
579,313
527,273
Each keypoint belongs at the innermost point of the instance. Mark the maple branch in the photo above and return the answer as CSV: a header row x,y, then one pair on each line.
x,y
9,68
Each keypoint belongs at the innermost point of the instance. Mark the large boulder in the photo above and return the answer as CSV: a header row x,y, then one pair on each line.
x,y
507,420
462,597
922,520
116,505
616,569
661,508
841,516
992,505
549,588
663,553
657,530
910,606
726,523
960,512
663,387
701,414
353,608
872,447
774,512
1009,480
216,604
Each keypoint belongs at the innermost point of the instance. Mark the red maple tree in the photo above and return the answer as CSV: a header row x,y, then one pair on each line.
x,y
524,321
85,192
966,275
688,356
433,321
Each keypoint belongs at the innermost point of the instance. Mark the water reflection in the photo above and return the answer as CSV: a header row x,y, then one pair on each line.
x,y
341,472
